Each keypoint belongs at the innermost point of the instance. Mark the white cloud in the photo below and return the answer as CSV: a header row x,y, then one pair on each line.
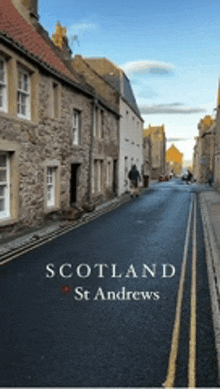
x,y
173,108
79,28
147,67
177,139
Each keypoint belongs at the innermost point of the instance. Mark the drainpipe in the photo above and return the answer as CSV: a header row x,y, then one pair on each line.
x,y
91,150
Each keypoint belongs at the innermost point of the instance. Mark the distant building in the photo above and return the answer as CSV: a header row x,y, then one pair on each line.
x,y
217,142
174,160
204,150
147,157
158,147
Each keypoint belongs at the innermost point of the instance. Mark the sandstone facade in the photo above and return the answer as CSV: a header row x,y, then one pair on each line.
x,y
147,157
59,141
204,150
158,147
174,160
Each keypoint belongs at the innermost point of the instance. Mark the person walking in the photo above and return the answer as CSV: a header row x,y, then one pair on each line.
x,y
189,177
134,177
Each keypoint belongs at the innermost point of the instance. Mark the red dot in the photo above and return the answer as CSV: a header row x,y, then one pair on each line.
x,y
66,289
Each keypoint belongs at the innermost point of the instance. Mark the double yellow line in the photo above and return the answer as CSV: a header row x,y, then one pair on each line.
x,y
172,365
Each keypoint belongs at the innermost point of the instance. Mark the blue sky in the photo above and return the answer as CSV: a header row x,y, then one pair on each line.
x,y
170,51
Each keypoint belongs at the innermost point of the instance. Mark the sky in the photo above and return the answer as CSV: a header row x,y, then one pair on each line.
x,y
169,50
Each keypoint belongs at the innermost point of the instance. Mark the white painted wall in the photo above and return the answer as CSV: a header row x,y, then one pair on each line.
x,y
130,144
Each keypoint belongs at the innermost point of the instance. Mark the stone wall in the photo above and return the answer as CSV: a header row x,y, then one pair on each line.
x,y
96,81
48,142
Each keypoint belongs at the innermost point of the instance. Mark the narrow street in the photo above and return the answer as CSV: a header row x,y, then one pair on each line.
x,y
120,302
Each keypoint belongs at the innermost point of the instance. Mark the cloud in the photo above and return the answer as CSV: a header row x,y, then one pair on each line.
x,y
148,93
83,27
147,67
177,139
173,108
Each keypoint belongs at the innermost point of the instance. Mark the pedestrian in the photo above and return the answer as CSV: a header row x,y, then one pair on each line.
x,y
189,177
134,177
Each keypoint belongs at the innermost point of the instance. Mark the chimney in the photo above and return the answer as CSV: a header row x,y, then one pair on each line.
x,y
32,7
60,40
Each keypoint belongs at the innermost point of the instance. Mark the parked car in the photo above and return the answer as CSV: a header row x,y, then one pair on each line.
x,y
163,178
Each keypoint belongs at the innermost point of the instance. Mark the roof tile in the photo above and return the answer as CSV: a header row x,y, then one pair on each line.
x,y
18,29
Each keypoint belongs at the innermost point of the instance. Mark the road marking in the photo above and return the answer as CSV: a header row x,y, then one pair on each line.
x,y
192,338
169,383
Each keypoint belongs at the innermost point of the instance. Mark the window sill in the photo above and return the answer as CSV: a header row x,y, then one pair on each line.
x,y
22,117
7,222
16,118
52,209
77,146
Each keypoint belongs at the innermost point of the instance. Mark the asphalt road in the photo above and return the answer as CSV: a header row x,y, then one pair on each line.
x,y
96,307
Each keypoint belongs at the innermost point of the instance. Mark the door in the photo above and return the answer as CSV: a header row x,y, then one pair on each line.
x,y
74,182
115,176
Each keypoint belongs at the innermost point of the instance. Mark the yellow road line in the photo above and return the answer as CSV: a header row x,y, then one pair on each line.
x,y
169,383
192,339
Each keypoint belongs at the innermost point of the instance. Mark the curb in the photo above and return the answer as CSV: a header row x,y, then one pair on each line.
x,y
213,269
29,242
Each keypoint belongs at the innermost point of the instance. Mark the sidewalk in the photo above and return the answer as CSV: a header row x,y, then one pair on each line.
x,y
210,210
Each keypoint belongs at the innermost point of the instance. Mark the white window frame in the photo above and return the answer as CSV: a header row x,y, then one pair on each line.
x,y
109,174
102,123
5,186
23,91
76,129
98,176
51,186
3,85
96,127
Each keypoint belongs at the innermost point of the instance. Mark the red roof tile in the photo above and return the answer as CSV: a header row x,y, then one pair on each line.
x,y
16,27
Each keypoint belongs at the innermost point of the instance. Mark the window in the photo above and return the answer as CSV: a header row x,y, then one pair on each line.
x,y
3,85
23,94
51,175
96,126
4,186
126,169
109,174
102,123
76,127
98,176
99,123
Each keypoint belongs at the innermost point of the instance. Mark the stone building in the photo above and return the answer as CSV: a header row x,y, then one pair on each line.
x,y
47,126
158,147
217,143
114,86
147,157
204,150
173,159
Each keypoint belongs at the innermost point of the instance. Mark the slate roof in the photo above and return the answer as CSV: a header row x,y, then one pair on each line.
x,y
15,27
114,79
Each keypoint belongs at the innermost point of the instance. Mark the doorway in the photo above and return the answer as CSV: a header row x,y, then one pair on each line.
x,y
74,182
115,176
